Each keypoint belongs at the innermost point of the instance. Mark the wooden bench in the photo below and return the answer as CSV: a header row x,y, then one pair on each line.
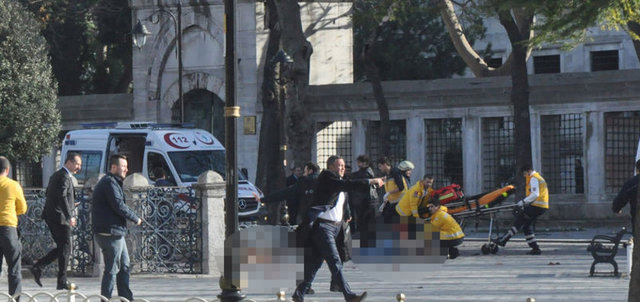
x,y
604,248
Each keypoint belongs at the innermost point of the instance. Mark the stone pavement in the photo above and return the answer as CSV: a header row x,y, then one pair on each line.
x,y
560,274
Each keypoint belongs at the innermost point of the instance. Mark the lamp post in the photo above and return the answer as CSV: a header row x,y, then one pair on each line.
x,y
281,64
140,33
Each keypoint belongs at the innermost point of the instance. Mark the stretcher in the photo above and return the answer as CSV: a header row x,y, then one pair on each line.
x,y
483,205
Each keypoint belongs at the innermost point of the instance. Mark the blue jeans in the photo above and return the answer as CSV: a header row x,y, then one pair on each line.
x,y
116,266
323,239
11,248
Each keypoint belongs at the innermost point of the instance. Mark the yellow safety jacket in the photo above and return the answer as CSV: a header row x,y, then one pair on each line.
x,y
391,185
414,198
543,195
444,223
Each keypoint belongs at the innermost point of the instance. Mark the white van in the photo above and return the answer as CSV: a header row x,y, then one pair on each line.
x,y
183,153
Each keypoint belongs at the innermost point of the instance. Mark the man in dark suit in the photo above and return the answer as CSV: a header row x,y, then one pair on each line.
x,y
325,217
58,214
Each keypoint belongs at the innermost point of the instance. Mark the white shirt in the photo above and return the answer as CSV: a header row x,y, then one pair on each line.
x,y
335,213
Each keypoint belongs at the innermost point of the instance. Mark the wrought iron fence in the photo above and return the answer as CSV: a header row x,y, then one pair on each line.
x,y
168,241
397,143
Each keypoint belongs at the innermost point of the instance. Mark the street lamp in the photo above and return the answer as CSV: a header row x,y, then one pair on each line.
x,y
281,64
140,33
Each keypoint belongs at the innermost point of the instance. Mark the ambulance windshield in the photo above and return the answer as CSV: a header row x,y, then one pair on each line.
x,y
190,164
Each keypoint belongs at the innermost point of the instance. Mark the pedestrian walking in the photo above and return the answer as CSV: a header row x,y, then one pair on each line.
x,y
59,216
12,204
325,218
109,214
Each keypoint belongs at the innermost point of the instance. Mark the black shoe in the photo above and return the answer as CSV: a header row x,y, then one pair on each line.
x,y
534,252
67,285
499,242
310,291
454,253
358,298
335,288
36,271
296,299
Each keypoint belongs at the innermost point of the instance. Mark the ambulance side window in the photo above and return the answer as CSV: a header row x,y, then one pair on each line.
x,y
157,167
90,165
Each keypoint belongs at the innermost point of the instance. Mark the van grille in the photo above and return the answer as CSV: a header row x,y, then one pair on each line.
x,y
247,205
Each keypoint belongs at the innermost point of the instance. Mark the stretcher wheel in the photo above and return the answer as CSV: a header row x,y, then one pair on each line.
x,y
485,249
494,248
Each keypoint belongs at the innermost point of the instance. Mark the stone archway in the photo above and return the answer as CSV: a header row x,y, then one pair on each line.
x,y
204,109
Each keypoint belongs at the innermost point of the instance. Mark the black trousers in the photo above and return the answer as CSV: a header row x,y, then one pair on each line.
x,y
323,248
367,223
11,248
62,237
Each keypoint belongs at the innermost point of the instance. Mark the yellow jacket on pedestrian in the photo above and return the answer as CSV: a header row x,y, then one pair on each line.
x,y
417,196
543,196
12,202
444,223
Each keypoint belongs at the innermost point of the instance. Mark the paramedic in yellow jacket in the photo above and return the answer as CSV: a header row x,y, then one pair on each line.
x,y
395,186
533,205
451,234
417,196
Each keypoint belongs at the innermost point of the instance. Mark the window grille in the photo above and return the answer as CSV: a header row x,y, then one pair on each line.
x,y
443,154
546,64
562,153
621,142
604,60
398,143
333,138
28,174
498,160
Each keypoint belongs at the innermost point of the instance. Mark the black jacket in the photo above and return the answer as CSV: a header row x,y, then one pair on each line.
x,y
302,192
328,187
109,212
60,198
627,194
366,196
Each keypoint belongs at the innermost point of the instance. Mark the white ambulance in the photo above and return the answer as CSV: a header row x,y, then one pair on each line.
x,y
182,153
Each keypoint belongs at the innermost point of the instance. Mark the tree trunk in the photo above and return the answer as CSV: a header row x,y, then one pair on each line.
x,y
299,123
270,172
518,34
373,75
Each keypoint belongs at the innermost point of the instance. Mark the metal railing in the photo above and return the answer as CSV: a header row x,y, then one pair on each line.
x,y
168,241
